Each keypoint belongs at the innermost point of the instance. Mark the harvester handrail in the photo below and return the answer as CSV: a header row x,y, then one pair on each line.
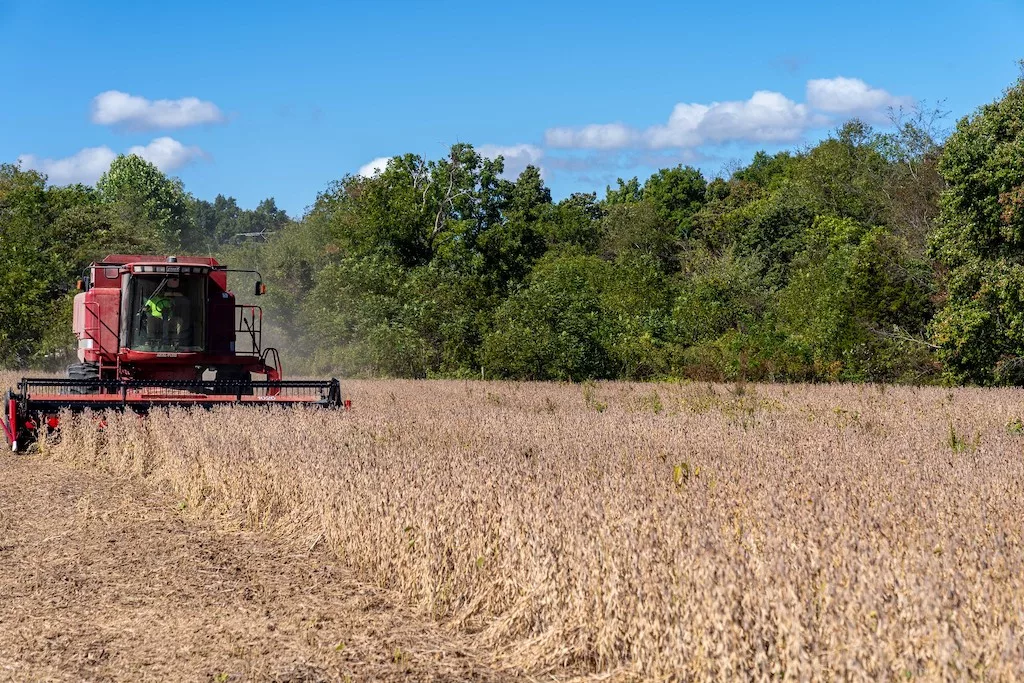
x,y
251,325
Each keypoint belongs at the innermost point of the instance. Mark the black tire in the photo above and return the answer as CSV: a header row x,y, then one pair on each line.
x,y
3,416
84,372
24,438
235,374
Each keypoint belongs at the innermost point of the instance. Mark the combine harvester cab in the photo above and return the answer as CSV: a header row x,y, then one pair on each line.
x,y
156,332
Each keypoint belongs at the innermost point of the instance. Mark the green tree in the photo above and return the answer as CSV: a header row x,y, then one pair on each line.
x,y
980,239
27,285
416,210
765,169
676,194
575,223
913,184
554,328
717,293
150,196
844,175
451,312
47,236
581,317
634,228
625,192
636,299
858,304
512,243
222,222
358,317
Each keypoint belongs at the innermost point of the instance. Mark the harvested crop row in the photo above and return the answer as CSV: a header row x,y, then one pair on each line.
x,y
678,529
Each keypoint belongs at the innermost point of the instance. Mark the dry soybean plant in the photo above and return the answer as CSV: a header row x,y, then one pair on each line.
x,y
673,530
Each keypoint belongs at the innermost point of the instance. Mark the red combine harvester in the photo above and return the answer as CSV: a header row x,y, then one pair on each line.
x,y
160,332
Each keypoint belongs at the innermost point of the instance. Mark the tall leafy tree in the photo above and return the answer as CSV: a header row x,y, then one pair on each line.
x,y
980,239
913,183
575,223
625,192
634,228
857,303
676,194
47,235
554,328
510,245
144,191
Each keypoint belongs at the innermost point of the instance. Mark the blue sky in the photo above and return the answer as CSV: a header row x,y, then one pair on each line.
x,y
278,99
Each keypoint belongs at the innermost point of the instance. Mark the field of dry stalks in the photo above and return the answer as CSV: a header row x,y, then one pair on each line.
x,y
652,530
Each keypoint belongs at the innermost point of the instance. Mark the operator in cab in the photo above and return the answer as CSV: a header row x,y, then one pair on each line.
x,y
166,317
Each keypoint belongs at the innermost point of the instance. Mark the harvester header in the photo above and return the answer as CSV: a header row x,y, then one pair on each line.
x,y
160,331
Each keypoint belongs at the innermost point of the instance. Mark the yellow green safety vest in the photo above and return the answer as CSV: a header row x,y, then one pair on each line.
x,y
157,305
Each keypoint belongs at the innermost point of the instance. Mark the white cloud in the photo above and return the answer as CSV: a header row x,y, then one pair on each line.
x,y
378,165
850,96
766,117
681,129
517,157
167,154
594,136
87,165
131,111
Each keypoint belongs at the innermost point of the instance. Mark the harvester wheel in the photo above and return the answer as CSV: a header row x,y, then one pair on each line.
x,y
84,371
3,416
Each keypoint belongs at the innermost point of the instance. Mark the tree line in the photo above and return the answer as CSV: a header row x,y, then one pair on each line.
x,y
892,255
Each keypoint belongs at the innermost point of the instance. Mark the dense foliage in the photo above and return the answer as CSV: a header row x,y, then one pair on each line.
x,y
980,239
871,256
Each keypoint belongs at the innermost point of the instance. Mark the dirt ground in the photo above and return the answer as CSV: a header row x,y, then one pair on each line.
x,y
101,579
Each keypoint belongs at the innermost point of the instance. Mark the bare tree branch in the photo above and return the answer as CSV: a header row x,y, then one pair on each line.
x,y
900,335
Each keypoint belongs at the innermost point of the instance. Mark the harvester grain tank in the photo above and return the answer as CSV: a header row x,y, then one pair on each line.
x,y
160,331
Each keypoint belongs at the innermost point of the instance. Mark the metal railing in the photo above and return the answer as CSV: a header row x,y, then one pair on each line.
x,y
249,324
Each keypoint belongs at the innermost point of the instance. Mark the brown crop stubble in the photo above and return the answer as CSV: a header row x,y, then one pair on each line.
x,y
666,530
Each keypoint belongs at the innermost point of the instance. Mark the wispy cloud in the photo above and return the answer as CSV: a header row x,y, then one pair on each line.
x,y
766,117
593,136
87,165
116,108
